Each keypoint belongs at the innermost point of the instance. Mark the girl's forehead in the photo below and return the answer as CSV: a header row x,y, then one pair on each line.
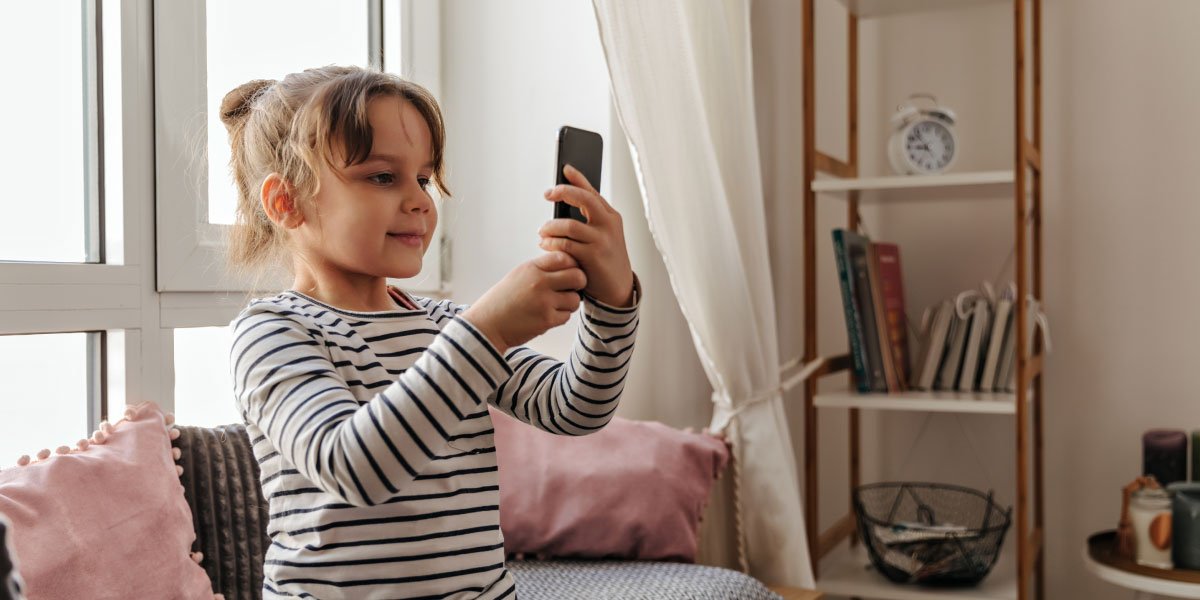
x,y
398,128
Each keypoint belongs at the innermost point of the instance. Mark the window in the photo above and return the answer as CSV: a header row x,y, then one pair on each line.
x,y
47,391
203,384
48,200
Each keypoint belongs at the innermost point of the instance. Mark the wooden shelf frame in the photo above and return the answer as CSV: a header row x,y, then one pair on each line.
x,y
1027,196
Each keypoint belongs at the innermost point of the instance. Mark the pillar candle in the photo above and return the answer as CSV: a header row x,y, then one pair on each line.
x,y
1196,455
1164,455
1185,524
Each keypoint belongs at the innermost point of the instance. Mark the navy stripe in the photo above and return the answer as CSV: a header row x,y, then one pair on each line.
x,y
396,519
394,540
387,559
382,581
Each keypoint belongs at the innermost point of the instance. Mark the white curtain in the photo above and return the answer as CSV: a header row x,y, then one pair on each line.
x,y
682,85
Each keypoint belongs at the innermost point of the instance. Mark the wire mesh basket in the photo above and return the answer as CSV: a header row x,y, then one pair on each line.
x,y
930,533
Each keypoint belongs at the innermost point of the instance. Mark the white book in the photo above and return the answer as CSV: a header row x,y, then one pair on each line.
x,y
1008,354
976,339
987,380
935,345
947,378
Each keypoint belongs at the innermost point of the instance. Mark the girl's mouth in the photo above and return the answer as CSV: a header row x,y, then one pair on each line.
x,y
407,239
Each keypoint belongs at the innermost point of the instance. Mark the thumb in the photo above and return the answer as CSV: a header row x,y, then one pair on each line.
x,y
555,261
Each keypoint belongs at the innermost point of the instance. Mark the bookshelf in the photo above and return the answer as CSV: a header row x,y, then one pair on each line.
x,y
838,565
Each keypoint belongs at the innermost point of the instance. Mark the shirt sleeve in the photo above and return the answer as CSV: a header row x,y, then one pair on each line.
x,y
287,386
578,396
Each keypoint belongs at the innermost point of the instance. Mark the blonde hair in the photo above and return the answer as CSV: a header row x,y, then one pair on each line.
x,y
286,127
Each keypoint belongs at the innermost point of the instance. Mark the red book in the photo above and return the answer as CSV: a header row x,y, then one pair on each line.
x,y
891,373
891,288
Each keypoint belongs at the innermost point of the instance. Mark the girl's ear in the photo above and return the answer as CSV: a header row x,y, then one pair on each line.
x,y
278,201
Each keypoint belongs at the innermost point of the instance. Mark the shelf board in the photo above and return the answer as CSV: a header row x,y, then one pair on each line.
x,y
866,9
998,403
846,572
911,182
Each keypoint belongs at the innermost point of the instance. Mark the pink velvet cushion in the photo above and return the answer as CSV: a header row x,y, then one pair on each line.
x,y
105,519
634,490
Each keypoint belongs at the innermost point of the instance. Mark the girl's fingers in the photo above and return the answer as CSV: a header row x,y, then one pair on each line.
x,y
577,178
555,261
580,194
576,249
567,301
569,228
567,280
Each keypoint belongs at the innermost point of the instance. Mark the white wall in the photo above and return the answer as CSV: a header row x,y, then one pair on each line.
x,y
1121,87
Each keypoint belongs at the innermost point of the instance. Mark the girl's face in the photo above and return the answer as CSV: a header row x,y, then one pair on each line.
x,y
376,218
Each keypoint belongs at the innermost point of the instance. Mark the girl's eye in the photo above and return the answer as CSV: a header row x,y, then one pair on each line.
x,y
381,178
424,181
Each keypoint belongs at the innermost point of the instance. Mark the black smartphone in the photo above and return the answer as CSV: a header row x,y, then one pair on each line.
x,y
583,150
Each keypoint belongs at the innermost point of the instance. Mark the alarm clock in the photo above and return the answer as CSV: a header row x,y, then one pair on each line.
x,y
923,141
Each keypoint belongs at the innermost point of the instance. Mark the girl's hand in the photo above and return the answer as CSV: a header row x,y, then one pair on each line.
x,y
598,245
537,295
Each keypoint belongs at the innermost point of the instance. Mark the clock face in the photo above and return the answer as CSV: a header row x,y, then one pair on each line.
x,y
929,146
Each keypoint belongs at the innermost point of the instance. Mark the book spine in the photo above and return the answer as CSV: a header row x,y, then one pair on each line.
x,y
853,322
887,359
891,286
862,283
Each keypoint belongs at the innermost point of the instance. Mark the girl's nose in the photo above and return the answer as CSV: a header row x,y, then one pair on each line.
x,y
416,199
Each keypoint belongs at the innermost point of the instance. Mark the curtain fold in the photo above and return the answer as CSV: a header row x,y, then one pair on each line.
x,y
682,84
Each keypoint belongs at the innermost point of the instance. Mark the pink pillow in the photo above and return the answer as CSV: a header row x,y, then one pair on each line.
x,y
634,490
106,519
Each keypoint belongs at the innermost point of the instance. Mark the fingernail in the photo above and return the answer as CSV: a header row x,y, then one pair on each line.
x,y
549,191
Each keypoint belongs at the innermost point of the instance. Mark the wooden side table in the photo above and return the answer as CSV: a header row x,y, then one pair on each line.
x,y
1101,559
795,593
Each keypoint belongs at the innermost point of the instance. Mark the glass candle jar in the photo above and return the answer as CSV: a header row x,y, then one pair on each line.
x,y
1150,514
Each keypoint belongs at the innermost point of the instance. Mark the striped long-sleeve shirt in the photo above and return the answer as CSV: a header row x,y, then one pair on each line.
x,y
375,444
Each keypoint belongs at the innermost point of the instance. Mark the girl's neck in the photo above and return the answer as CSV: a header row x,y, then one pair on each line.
x,y
368,294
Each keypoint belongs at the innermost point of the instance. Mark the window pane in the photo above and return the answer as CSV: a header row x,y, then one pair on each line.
x,y
45,401
203,387
242,46
42,52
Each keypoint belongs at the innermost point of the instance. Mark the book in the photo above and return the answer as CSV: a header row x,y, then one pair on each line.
x,y
842,239
947,378
1008,353
859,262
934,345
886,357
991,362
891,287
976,340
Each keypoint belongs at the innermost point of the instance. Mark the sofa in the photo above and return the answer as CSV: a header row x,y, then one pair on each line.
x,y
220,480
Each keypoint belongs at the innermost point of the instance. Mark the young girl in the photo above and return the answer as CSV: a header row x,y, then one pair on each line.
x,y
368,407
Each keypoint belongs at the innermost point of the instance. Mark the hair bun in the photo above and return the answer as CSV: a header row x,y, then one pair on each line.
x,y
236,104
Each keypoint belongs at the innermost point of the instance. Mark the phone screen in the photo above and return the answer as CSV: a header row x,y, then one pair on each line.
x,y
583,150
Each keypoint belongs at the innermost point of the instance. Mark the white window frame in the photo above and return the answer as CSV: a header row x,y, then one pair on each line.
x,y
190,249
137,295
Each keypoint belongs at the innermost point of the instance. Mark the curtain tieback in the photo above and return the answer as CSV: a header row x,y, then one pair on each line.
x,y
725,404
